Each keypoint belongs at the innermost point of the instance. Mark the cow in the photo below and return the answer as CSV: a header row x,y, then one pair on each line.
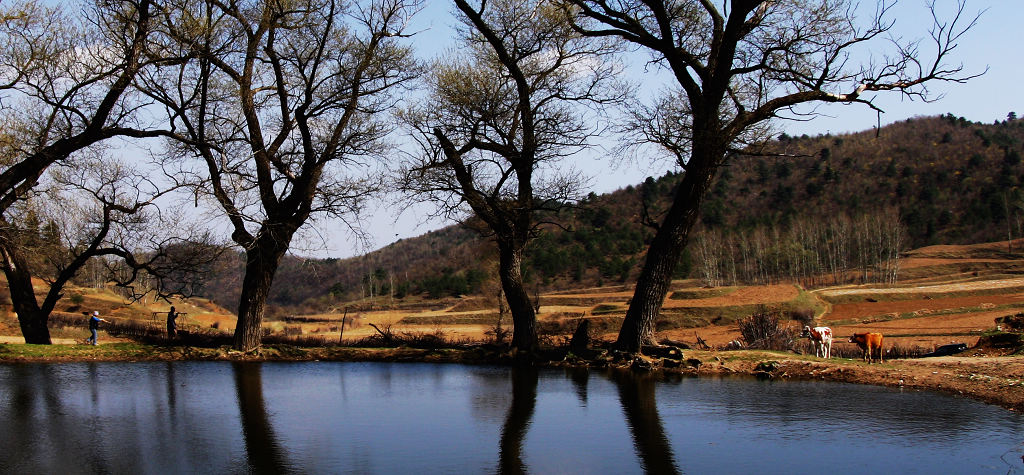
x,y
821,338
867,343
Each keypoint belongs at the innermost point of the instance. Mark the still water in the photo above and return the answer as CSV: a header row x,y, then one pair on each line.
x,y
216,417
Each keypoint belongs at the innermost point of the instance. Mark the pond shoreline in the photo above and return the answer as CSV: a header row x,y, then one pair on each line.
x,y
997,380
993,380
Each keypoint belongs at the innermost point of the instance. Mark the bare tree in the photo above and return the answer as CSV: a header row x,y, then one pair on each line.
x,y
279,106
739,65
881,238
66,84
94,208
64,87
804,250
499,115
709,247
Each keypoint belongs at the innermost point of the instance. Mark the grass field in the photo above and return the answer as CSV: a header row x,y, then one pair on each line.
x,y
951,294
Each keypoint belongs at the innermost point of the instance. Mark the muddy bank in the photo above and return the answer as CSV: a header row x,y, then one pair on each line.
x,y
996,380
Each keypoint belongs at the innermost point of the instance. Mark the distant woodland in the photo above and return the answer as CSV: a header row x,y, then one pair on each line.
x,y
817,210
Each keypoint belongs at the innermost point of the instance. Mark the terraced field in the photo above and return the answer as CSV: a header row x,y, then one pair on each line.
x,y
953,294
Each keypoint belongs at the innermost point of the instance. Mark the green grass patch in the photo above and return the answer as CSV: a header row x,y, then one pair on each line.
x,y
568,325
81,352
806,301
604,309
673,321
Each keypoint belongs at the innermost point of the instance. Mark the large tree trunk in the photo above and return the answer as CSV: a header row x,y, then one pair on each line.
x,y
662,257
31,317
524,320
261,264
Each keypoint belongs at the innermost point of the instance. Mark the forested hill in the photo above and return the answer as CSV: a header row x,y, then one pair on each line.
x,y
950,180
953,181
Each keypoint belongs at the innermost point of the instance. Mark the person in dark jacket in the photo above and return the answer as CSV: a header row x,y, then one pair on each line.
x,y
94,326
172,326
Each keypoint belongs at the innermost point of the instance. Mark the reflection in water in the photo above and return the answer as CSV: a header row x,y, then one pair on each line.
x,y
172,389
265,454
520,412
637,396
490,396
96,462
580,379
27,422
215,417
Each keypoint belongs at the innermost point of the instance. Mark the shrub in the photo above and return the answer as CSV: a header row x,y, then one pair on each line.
x,y
762,331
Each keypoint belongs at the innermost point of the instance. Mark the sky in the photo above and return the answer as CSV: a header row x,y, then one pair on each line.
x,y
993,44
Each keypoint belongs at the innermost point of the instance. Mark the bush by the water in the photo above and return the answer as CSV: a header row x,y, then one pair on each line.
x,y
763,331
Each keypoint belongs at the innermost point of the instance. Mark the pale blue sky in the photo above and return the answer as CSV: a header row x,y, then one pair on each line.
x,y
995,43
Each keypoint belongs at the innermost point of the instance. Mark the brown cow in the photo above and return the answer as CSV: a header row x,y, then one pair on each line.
x,y
867,343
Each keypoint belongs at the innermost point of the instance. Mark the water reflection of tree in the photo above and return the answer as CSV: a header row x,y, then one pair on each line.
x,y
43,425
34,416
517,422
490,396
580,378
264,453
637,396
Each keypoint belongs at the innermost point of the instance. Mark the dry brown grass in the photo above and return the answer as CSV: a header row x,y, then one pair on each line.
x,y
753,295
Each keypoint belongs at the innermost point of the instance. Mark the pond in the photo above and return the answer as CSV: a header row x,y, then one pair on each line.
x,y
327,417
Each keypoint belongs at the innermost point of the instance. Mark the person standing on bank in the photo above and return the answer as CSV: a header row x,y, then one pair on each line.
x,y
94,326
172,326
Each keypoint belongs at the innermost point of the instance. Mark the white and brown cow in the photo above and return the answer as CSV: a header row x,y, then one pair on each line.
x,y
821,338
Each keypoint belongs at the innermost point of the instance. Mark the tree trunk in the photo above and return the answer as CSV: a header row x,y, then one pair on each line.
x,y
524,320
260,266
662,257
31,317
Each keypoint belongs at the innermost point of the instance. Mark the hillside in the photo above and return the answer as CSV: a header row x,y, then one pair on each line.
x,y
951,181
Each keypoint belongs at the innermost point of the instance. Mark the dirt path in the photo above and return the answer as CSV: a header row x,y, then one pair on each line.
x,y
937,289
105,339
55,341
